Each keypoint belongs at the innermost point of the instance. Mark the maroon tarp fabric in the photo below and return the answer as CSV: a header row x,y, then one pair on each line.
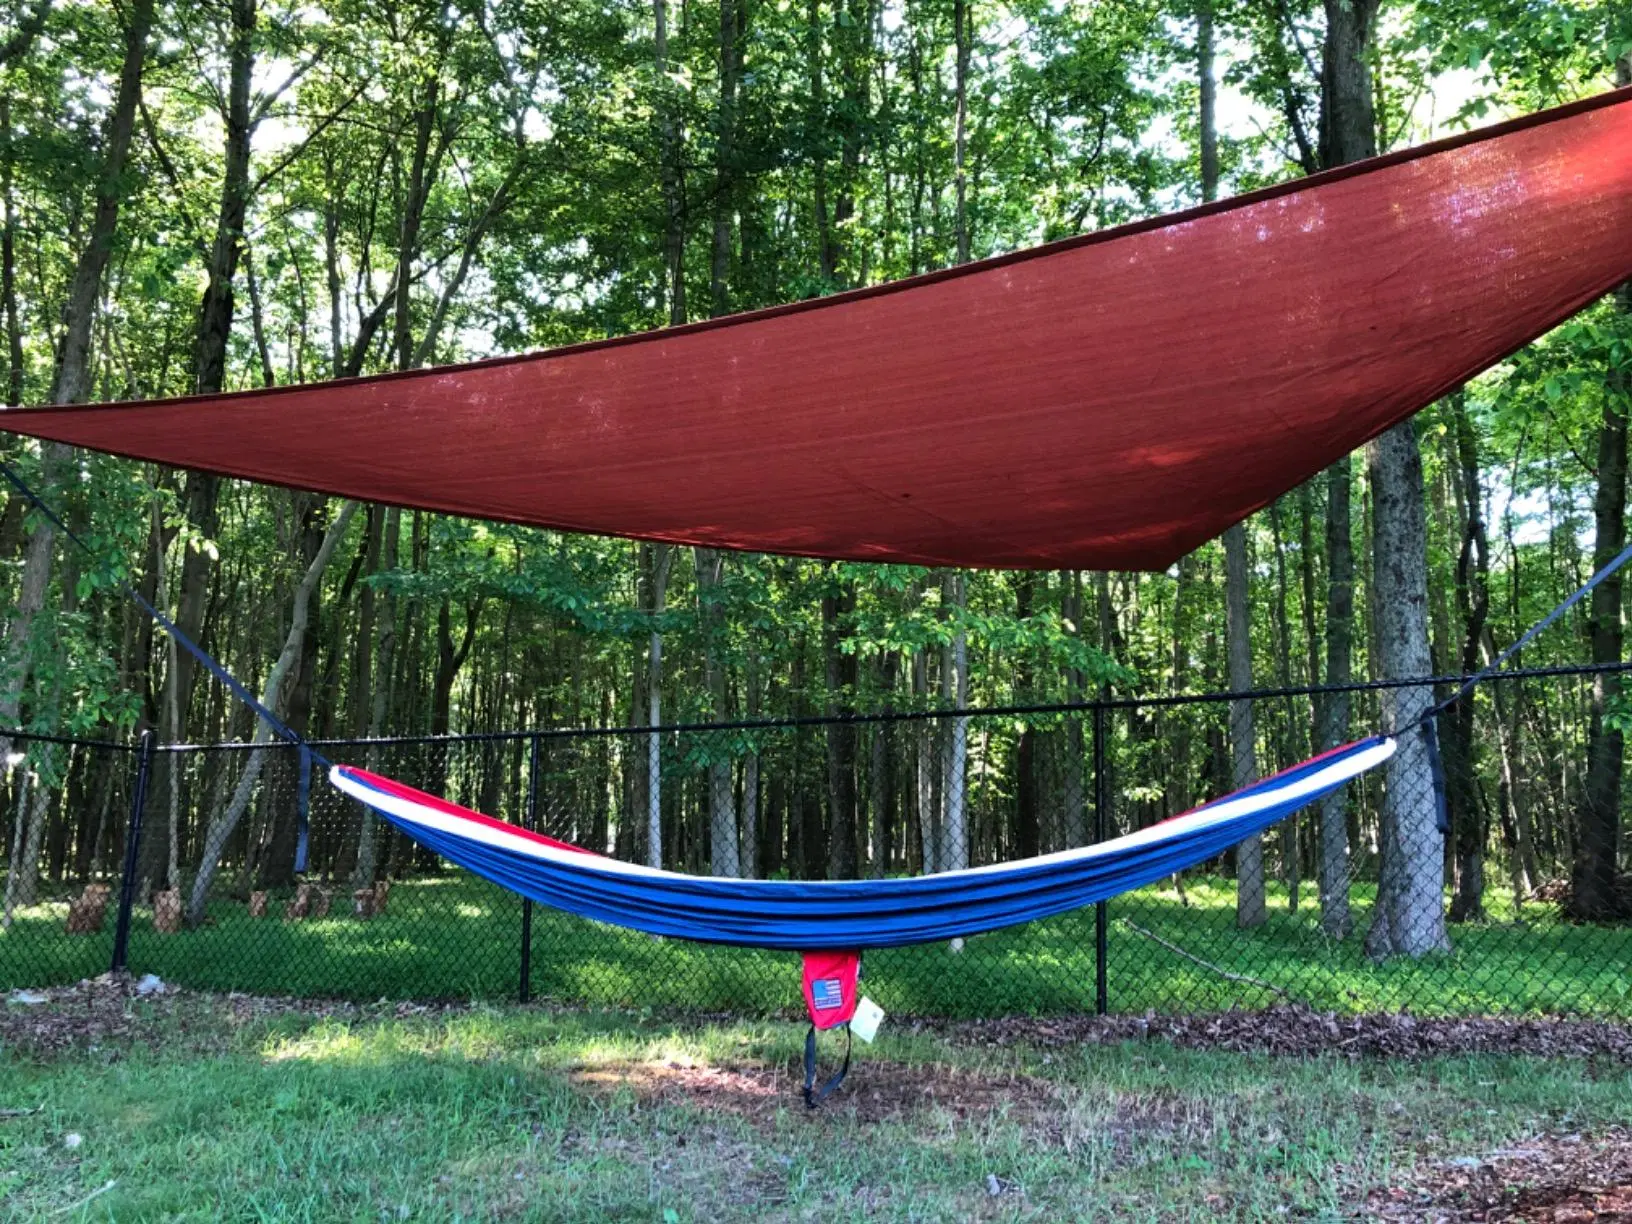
x,y
1109,402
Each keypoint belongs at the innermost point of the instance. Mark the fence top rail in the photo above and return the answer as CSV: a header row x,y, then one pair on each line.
x,y
72,741
908,716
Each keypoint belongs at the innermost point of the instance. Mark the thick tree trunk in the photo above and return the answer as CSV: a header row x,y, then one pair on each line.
x,y
1409,919
226,822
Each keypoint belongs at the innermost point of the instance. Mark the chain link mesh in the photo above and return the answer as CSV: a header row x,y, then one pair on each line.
x,y
1364,903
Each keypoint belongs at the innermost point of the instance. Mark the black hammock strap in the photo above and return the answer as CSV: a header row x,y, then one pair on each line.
x,y
1530,635
813,1095
278,727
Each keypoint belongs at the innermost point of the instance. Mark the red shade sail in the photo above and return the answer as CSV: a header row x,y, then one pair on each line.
x,y
1108,402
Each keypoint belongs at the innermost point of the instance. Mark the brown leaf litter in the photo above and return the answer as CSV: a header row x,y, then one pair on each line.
x,y
1563,1179
1294,1030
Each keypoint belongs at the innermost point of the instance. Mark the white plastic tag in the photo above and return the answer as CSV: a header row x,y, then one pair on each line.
x,y
865,1022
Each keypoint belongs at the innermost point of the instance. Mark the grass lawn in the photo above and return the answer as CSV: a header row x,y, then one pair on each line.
x,y
456,937
203,1108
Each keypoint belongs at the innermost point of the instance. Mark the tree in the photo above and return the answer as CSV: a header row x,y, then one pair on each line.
x,y
1594,891
70,385
273,696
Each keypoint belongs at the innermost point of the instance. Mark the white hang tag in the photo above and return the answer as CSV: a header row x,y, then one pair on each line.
x,y
864,1024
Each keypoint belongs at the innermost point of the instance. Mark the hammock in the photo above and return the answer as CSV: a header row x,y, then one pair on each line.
x,y
1107,402
848,914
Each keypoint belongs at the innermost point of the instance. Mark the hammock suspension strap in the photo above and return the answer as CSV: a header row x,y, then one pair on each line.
x,y
815,1096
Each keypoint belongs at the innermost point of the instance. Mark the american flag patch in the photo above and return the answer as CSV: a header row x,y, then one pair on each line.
x,y
826,994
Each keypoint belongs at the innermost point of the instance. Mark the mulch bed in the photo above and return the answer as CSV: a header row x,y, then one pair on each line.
x,y
1300,1031
1556,1178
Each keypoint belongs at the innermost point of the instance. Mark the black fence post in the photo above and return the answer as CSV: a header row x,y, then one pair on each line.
x,y
1101,829
133,843
530,822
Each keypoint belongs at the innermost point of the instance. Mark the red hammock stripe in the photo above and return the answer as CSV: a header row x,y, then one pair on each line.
x,y
1109,402
389,787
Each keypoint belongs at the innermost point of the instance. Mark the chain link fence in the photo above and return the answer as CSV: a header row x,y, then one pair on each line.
x,y
1468,876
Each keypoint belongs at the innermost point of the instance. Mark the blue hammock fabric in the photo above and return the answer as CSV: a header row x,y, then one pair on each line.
x,y
804,916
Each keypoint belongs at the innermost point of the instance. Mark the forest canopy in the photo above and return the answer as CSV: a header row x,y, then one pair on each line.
x,y
224,194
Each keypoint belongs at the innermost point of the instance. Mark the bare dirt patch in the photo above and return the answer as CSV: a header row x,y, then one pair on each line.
x,y
1300,1031
874,1091
1559,1178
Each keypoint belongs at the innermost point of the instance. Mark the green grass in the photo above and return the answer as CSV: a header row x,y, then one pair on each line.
x,y
522,1114
457,937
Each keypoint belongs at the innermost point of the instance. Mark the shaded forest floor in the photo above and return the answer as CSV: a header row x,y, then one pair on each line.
x,y
185,1106
457,938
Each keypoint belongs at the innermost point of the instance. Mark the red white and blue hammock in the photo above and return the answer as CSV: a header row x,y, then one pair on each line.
x,y
813,915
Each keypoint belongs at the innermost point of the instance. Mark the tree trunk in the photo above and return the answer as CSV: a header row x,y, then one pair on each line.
x,y
1250,908
670,172
71,380
748,850
732,20
363,874
8,268
661,556
837,608
883,774
1075,831
223,826
1347,133
960,122
1469,821
1593,893
216,308
1027,800
954,849
724,844
1409,918
926,815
